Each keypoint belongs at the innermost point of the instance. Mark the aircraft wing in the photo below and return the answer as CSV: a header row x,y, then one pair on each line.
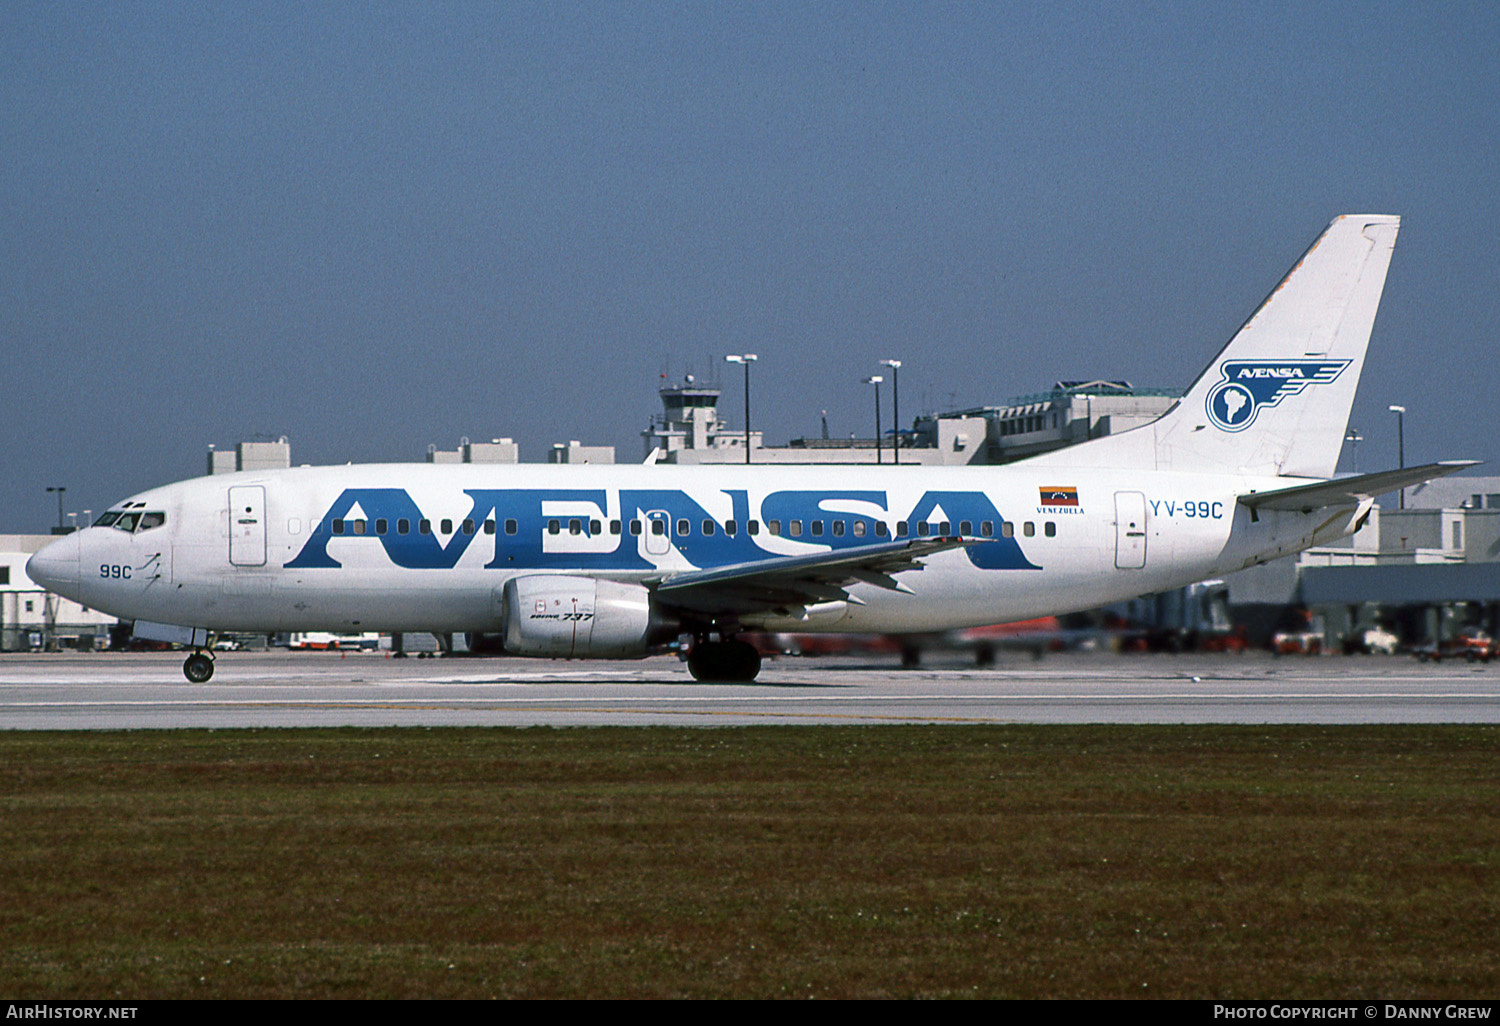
x,y
790,582
1349,491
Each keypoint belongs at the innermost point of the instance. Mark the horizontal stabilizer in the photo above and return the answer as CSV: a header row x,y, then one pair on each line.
x,y
1350,491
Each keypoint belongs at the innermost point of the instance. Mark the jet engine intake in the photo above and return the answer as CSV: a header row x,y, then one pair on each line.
x,y
579,618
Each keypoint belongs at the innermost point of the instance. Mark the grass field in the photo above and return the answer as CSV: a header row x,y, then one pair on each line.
x,y
1186,861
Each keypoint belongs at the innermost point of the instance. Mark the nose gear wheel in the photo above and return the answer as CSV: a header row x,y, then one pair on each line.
x,y
199,667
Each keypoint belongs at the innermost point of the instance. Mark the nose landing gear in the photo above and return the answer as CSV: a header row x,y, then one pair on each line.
x,y
199,667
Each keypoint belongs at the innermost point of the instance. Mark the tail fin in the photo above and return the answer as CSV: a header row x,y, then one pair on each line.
x,y
1276,399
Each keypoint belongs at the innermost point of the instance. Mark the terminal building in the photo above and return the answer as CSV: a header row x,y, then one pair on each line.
x,y
496,450
33,619
1425,573
250,456
689,430
1069,413
278,454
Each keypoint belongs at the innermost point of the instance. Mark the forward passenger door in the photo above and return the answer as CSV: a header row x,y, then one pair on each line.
x,y
247,525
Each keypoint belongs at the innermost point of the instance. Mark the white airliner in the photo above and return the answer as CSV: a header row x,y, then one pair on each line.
x,y
610,561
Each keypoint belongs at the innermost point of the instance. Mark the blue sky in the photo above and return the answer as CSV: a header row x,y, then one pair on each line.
x,y
371,227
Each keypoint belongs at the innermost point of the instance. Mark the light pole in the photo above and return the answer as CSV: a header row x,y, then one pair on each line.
x,y
745,360
876,380
59,490
1353,437
895,366
1400,412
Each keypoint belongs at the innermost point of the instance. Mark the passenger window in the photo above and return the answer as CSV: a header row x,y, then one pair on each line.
x,y
575,526
729,528
682,528
859,529
753,526
424,526
708,528
1007,529
595,528
554,527
614,527
489,526
795,529
817,528
773,526
511,527
987,529
447,526
921,529
901,529
1029,529
403,526
965,527
635,528
880,529
338,526
658,527
468,525
359,526
1051,529
381,524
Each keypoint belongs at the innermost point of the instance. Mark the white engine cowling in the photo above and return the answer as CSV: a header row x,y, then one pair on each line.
x,y
578,618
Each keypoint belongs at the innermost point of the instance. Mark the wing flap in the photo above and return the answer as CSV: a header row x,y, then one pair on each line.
x,y
786,582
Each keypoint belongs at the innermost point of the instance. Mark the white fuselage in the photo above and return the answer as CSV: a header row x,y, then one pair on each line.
x,y
429,547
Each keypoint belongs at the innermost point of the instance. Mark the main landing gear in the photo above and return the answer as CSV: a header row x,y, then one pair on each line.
x,y
724,661
199,667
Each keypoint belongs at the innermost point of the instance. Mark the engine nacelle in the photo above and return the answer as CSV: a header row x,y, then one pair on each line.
x,y
579,618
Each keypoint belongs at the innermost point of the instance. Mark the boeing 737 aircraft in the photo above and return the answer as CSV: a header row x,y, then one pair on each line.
x,y
611,561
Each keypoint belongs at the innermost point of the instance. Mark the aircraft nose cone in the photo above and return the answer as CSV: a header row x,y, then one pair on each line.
x,y
55,567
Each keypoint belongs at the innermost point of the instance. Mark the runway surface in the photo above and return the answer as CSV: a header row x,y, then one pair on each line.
x,y
283,689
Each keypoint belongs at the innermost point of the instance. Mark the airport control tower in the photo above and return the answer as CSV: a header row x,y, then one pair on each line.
x,y
688,430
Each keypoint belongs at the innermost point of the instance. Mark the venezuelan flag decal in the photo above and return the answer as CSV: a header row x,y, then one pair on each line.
x,y
1062,495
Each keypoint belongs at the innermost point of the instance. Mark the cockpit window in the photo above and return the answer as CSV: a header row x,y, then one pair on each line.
x,y
129,520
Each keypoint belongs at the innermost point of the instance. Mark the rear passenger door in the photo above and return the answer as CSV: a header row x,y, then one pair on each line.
x,y
1130,530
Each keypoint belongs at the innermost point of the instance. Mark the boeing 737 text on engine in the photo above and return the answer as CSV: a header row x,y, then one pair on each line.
x,y
613,561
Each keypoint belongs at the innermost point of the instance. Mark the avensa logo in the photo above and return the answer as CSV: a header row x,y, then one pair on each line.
x,y
518,528
1251,385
